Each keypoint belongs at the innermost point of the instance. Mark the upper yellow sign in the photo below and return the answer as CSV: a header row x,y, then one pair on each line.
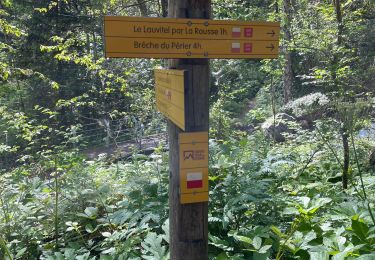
x,y
189,38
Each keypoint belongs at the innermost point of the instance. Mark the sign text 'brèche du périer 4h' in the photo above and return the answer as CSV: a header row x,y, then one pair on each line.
x,y
138,37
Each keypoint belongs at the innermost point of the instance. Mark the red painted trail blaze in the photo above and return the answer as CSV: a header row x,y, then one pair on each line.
x,y
194,184
194,180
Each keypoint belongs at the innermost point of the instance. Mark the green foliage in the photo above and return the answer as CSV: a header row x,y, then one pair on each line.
x,y
288,206
267,201
255,116
220,121
152,247
58,96
99,209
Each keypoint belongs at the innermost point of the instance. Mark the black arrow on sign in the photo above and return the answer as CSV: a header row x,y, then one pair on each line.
x,y
272,33
272,47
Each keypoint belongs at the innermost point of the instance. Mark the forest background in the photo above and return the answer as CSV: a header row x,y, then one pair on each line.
x,y
291,140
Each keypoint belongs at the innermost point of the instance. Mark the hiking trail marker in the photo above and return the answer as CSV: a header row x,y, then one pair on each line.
x,y
193,167
139,37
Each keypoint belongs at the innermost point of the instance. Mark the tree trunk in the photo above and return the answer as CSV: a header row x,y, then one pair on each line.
x,y
345,170
337,83
188,222
20,97
340,30
95,46
164,8
142,7
340,25
288,73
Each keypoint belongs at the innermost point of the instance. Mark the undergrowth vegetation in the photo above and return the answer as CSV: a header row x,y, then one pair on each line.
x,y
267,200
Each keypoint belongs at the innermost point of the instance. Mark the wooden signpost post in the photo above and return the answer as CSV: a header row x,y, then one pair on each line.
x,y
189,39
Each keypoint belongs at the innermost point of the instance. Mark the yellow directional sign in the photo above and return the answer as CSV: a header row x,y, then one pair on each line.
x,y
187,48
170,97
193,167
140,27
189,38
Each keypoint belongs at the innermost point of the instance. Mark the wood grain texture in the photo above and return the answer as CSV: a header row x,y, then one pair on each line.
x,y
188,222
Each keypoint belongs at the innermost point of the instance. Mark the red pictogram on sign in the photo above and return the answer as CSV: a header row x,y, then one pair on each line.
x,y
248,32
168,94
248,47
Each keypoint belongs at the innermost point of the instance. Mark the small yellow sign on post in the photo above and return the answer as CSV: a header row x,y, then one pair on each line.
x,y
193,154
138,37
170,94
193,167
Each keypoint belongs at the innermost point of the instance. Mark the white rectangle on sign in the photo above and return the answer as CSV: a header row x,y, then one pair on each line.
x,y
194,176
236,45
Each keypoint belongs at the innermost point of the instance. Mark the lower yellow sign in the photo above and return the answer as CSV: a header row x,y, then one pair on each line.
x,y
190,48
193,167
170,94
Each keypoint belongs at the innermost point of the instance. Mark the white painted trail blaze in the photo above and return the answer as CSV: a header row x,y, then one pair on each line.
x,y
194,180
194,176
236,32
